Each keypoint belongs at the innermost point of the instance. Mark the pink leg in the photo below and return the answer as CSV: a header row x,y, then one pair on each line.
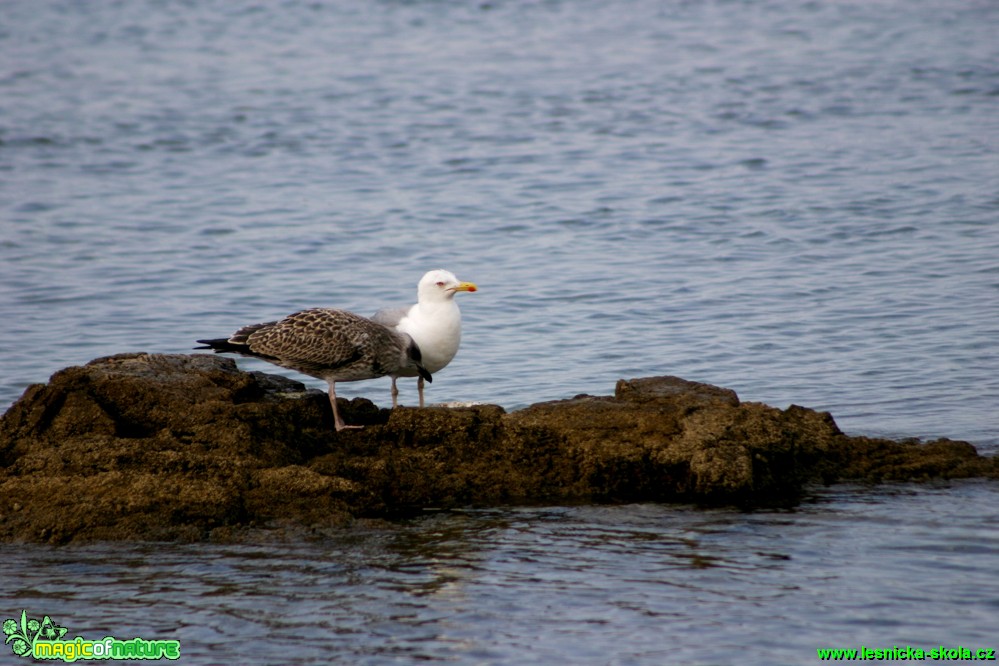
x,y
337,420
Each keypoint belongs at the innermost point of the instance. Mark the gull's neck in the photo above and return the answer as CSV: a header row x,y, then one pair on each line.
x,y
436,308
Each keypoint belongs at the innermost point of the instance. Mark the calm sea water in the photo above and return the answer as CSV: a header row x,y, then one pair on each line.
x,y
636,584
799,201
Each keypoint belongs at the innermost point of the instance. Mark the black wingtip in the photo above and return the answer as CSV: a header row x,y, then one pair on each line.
x,y
217,345
417,358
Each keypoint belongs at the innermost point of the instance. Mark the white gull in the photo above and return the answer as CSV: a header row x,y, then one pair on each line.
x,y
434,323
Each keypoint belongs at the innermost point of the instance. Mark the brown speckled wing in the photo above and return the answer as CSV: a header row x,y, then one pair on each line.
x,y
327,343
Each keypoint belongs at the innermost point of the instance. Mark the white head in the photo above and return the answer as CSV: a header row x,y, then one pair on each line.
x,y
441,285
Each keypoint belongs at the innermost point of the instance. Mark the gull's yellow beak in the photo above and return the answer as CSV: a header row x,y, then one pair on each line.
x,y
466,286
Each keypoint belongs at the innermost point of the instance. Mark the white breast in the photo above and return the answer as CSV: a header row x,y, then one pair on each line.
x,y
436,328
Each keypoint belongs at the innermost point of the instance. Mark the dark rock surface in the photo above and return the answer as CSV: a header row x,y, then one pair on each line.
x,y
188,447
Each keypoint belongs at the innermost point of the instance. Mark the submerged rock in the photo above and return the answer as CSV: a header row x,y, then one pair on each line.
x,y
188,447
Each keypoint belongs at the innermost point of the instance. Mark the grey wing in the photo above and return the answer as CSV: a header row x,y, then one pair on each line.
x,y
390,316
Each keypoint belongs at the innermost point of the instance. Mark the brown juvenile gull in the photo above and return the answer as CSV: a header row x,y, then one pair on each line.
x,y
434,322
332,345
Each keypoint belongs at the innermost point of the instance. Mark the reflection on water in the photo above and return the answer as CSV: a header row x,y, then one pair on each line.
x,y
606,584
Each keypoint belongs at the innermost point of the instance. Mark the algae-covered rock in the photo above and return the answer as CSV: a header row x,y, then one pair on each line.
x,y
188,447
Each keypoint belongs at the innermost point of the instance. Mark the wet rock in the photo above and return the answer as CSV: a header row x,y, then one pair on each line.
x,y
188,447
654,388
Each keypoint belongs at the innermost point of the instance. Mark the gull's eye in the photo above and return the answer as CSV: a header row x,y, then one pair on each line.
x,y
441,283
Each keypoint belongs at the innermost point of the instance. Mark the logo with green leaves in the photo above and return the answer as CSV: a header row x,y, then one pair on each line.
x,y
24,633
44,639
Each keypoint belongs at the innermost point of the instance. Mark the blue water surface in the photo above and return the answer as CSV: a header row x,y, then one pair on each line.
x,y
799,201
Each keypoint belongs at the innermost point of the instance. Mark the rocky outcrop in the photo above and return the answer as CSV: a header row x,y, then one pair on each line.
x,y
188,447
